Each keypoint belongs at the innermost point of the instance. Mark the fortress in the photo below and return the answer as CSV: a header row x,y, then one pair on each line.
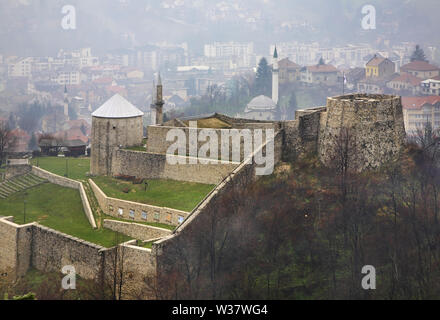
x,y
374,123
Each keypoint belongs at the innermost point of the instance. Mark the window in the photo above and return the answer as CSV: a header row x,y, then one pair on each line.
x,y
157,216
144,215
121,212
132,214
181,219
169,217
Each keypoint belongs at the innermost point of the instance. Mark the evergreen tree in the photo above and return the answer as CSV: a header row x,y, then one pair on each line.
x,y
263,80
33,143
418,55
321,61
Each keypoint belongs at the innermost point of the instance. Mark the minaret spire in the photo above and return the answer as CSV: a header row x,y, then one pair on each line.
x,y
275,77
66,103
159,101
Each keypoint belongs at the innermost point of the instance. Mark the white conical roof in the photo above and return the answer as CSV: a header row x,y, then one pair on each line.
x,y
117,107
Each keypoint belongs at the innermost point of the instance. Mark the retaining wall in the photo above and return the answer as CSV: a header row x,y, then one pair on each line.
x,y
136,230
112,207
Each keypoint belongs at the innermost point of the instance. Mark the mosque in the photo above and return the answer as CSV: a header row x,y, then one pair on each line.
x,y
263,108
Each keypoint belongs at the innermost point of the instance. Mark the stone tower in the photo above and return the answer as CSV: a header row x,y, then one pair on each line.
x,y
275,77
116,124
372,125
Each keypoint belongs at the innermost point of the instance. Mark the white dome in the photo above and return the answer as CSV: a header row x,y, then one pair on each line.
x,y
117,107
261,103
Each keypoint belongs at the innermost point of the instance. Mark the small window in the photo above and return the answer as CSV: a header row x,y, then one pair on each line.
x,y
157,216
132,214
181,219
144,215
121,212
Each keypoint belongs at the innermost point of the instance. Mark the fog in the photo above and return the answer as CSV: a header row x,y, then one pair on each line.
x,y
33,27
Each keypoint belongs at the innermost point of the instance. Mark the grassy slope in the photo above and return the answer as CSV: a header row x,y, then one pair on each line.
x,y
76,167
57,208
163,193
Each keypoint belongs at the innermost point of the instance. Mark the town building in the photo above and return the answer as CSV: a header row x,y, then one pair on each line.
x,y
431,86
379,67
405,84
421,69
418,111
325,74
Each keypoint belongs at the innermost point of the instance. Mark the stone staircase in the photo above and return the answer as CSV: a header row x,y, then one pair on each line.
x,y
19,183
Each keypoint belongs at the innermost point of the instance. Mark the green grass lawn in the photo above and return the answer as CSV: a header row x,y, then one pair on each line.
x,y
77,168
162,193
57,208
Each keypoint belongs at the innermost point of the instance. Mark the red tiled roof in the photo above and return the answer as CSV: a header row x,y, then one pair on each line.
x,y
104,80
71,134
117,89
286,63
375,61
19,133
419,102
322,68
407,78
419,66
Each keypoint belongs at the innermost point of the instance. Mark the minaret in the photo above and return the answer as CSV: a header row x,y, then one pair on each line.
x,y
66,103
159,101
275,77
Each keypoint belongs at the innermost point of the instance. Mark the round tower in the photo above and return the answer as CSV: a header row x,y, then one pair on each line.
x,y
116,124
368,128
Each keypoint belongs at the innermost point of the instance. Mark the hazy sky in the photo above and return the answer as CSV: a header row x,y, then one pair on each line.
x,y
33,27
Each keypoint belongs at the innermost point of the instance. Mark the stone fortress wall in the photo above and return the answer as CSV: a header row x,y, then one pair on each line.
x,y
376,122
47,250
136,230
112,206
155,166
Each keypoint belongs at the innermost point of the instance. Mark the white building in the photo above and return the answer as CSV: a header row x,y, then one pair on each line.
x,y
20,67
431,87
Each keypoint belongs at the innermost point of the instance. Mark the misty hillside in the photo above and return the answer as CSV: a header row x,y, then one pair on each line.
x,y
34,26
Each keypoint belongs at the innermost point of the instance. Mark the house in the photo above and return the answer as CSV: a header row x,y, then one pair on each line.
x,y
289,71
405,83
353,77
431,86
379,67
325,74
374,85
417,111
421,69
